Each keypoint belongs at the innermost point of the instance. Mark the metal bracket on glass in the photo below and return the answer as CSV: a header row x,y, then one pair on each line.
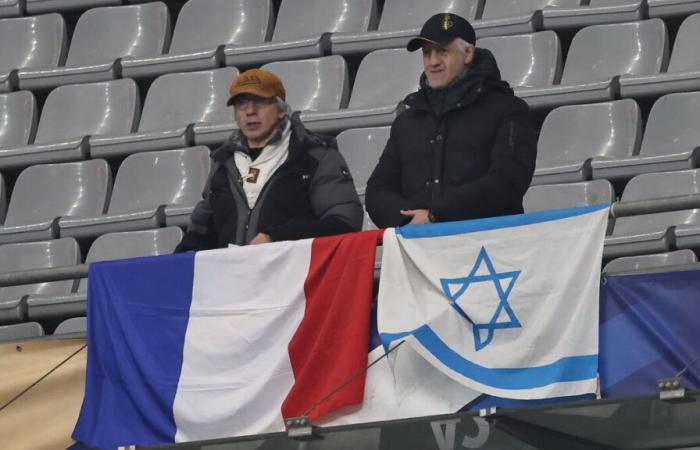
x,y
488,412
672,390
301,429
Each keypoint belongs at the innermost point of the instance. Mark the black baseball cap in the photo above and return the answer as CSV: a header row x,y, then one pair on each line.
x,y
442,29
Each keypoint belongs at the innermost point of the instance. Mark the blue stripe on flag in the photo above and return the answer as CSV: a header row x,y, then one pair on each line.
x,y
574,368
138,312
492,223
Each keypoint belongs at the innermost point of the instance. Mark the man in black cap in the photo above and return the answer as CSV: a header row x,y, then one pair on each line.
x,y
464,147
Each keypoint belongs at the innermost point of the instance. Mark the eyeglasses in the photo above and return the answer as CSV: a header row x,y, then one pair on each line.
x,y
242,102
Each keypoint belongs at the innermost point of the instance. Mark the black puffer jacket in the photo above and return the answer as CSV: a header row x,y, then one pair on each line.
x,y
463,152
312,194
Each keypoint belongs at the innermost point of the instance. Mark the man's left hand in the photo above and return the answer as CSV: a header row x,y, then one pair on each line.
x,y
419,216
261,238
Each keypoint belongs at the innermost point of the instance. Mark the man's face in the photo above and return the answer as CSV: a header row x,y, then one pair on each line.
x,y
443,63
257,118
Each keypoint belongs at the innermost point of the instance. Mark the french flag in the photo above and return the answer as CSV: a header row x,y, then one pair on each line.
x,y
225,342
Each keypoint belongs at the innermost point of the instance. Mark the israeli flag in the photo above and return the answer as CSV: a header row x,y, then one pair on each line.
x,y
506,306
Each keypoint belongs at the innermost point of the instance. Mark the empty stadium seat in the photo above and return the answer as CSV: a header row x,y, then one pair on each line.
x,y
151,189
39,41
570,195
11,8
20,331
400,21
653,233
598,55
503,17
203,28
643,263
70,115
110,246
683,72
671,140
596,12
383,79
34,255
44,6
672,8
361,148
319,84
303,30
102,38
18,111
174,104
71,326
3,199
528,59
43,193
572,137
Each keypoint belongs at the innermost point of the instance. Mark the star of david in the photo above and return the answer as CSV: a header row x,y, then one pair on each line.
x,y
454,288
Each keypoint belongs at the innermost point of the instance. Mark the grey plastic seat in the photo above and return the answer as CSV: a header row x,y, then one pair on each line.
x,y
26,42
151,189
683,72
573,137
672,8
671,140
319,84
653,233
303,30
570,195
70,115
43,193
528,59
383,79
644,263
596,12
34,255
110,246
505,17
174,104
20,331
598,55
3,199
12,8
44,6
19,113
74,325
361,148
400,21
203,28
102,39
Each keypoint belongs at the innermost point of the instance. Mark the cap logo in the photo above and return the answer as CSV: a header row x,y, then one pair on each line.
x,y
249,80
447,22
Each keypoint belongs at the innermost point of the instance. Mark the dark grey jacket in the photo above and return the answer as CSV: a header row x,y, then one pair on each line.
x,y
312,194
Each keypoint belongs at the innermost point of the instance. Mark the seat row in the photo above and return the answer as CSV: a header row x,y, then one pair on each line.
x,y
75,326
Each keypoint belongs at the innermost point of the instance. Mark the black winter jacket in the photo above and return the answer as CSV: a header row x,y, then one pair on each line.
x,y
312,194
464,152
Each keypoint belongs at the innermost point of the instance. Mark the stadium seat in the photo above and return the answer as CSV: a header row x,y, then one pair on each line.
x,y
672,8
18,111
202,30
319,84
598,55
34,255
383,79
671,140
3,199
130,244
12,8
528,59
642,263
683,69
361,148
175,103
151,189
596,12
401,20
653,233
103,37
72,114
43,193
303,30
20,331
504,17
39,41
71,326
572,137
44,6
570,195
